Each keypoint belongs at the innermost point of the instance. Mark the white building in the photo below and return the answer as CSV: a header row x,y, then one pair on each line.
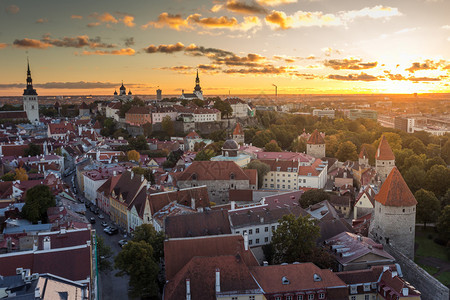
x,y
239,106
30,100
329,113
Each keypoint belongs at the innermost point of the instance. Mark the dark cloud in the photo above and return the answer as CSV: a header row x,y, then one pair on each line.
x,y
165,48
251,60
129,41
245,8
353,77
349,64
30,43
202,51
417,79
427,65
208,67
77,42
268,69
396,77
12,9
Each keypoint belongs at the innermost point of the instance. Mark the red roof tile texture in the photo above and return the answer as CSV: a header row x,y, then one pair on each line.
x,y
238,130
395,192
213,170
316,138
384,151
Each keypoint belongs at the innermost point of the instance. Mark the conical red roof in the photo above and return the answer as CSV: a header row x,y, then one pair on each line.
x,y
384,151
238,130
316,138
395,192
363,153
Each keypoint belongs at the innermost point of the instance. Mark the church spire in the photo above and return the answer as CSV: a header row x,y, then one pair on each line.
x,y
29,90
197,84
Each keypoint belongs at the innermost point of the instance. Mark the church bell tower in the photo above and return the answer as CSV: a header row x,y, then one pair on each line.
x,y
30,99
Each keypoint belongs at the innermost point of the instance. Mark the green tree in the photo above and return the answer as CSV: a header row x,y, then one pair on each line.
x,y
261,138
147,129
298,145
445,152
219,135
394,140
294,239
445,200
103,253
261,168
272,146
126,106
10,176
443,223
204,155
109,127
370,149
312,197
148,234
433,150
136,260
168,126
224,107
146,172
418,147
415,178
434,161
32,150
438,180
37,200
331,145
428,207
346,151
138,143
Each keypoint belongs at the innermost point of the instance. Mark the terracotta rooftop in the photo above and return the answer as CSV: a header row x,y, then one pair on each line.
x,y
384,151
363,153
316,138
213,170
395,192
238,129
198,224
84,106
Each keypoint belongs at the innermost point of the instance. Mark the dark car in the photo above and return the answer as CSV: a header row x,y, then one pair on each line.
x,y
112,230
92,220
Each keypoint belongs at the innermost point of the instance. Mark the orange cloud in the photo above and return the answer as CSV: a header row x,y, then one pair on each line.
x,y
244,8
167,20
30,43
275,2
3,45
41,21
12,9
124,51
353,77
165,48
349,64
104,18
128,21
76,17
427,65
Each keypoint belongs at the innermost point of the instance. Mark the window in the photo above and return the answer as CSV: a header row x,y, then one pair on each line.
x,y
300,297
244,232
266,240
310,297
322,296
278,298
237,231
353,298
288,297
257,241
257,230
250,297
273,228
367,287
266,229
366,297
250,231
353,289
250,242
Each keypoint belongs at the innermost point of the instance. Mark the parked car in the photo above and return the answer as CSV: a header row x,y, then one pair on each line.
x,y
101,216
92,220
104,224
108,228
112,230
122,243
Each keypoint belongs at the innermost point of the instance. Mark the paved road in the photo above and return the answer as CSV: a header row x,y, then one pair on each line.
x,y
110,286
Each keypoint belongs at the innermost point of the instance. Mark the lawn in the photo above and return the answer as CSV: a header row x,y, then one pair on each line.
x,y
430,270
444,277
427,247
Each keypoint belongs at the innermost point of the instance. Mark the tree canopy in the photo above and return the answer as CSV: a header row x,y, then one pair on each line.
x,y
32,150
312,197
261,168
37,200
428,207
168,126
133,155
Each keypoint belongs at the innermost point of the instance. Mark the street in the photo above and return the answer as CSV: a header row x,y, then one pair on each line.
x,y
110,286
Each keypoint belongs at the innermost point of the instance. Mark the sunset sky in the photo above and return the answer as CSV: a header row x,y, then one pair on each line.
x,y
242,46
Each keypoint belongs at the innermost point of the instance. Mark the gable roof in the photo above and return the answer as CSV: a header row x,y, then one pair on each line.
x,y
316,138
363,153
178,252
198,224
128,186
235,277
395,191
238,129
213,170
384,151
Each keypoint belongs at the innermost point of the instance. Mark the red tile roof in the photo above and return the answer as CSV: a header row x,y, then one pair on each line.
x,y
300,276
395,192
238,129
316,138
61,128
198,224
213,170
178,252
384,151
363,153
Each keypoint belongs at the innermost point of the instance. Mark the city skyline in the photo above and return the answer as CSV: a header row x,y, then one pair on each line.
x,y
302,46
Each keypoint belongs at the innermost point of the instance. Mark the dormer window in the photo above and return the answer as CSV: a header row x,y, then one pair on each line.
x,y
289,169
194,176
232,176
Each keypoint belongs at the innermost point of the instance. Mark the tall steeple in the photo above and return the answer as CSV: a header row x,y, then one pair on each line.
x,y
197,84
29,90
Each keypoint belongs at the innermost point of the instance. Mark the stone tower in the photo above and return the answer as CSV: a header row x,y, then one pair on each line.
x,y
238,134
394,217
363,158
30,99
384,159
315,146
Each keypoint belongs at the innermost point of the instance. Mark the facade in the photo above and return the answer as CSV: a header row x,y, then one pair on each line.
x,y
138,115
394,217
59,130
239,106
83,110
238,134
384,159
103,193
364,203
30,100
219,177
158,114
354,114
329,113
291,175
404,124
315,146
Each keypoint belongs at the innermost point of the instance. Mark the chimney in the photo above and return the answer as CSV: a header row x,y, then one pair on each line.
x,y
405,291
188,289
47,244
233,205
142,178
114,173
217,280
246,241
